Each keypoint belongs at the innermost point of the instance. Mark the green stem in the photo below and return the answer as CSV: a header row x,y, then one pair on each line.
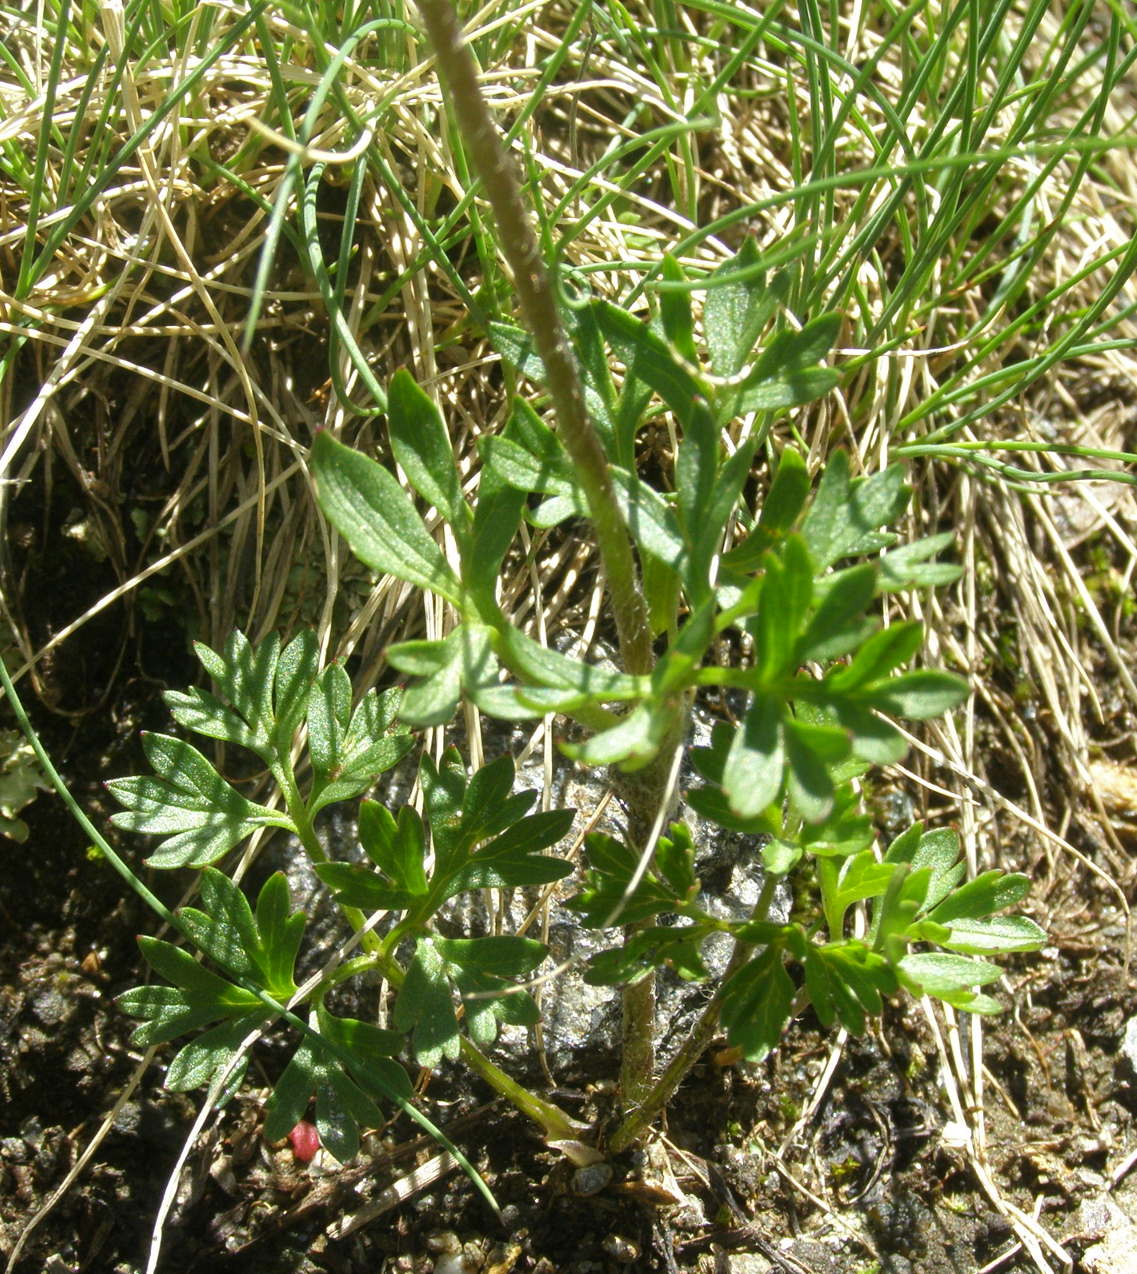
x,y
636,1121
56,780
306,832
535,291
556,1125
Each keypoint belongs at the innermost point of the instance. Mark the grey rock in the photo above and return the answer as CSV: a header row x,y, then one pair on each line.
x,y
591,1179
1129,1044
50,1006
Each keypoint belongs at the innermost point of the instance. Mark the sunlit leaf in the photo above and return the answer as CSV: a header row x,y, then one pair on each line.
x,y
198,814
375,516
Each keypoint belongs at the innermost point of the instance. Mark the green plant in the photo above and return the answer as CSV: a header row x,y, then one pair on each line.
x,y
797,585
481,837
798,588
20,780
776,605
790,593
784,773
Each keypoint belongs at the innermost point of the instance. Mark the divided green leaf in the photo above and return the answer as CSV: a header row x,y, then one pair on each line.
x,y
199,815
350,748
756,1004
347,1083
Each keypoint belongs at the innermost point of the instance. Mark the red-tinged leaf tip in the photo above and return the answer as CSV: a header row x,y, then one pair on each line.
x,y
305,1141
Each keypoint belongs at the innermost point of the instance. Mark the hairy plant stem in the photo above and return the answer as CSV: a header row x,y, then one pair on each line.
x,y
644,793
535,291
636,1121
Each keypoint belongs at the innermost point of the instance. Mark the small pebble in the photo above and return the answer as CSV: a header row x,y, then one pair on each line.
x,y
621,1249
444,1241
450,1263
591,1179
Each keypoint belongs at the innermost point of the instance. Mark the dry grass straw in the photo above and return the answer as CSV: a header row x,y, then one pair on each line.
x,y
127,397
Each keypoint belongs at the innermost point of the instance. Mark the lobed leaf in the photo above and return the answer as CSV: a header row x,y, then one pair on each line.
x,y
244,674
296,670
200,815
757,1002
280,934
351,748
396,846
197,995
168,1013
755,764
649,948
911,565
261,949
607,898
357,886
423,449
425,1008
780,511
838,625
375,516
989,892
919,695
845,516
675,860
511,860
204,713
995,936
484,971
347,1082
225,930
949,977
737,307
196,1063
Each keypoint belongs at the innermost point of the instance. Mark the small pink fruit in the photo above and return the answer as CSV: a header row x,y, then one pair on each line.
x,y
305,1141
